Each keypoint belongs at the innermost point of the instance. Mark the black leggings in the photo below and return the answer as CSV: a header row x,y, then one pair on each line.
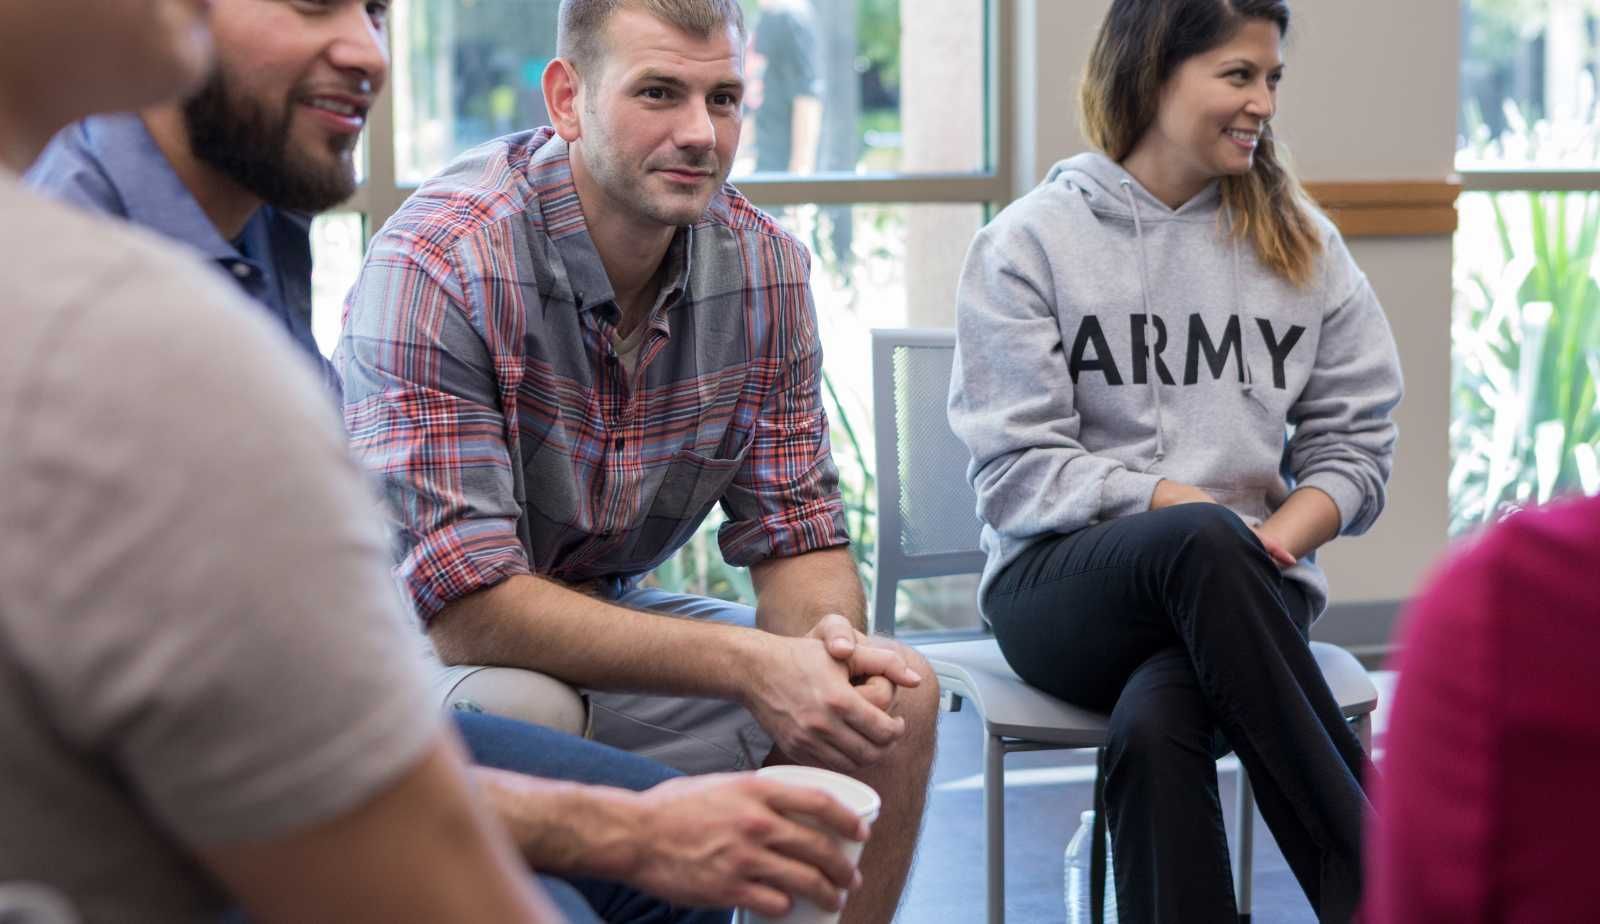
x,y
1179,624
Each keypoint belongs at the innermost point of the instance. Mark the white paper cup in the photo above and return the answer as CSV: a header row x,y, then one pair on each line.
x,y
852,794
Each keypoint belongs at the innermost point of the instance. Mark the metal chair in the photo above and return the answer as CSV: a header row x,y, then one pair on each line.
x,y
928,527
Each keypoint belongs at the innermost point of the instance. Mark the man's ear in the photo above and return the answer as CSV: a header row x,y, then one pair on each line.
x,y
561,89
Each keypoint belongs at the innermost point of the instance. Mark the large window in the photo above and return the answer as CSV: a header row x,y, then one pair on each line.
x,y
874,131
1525,425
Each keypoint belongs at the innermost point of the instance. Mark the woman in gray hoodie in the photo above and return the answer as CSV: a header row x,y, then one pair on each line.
x,y
1176,384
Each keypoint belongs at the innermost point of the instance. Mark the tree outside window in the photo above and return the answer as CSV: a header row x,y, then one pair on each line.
x,y
1525,425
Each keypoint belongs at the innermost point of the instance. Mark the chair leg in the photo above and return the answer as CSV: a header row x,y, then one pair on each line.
x,y
1363,729
1097,843
1244,845
994,811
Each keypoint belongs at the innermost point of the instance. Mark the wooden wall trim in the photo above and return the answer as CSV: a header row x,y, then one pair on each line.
x,y
1399,208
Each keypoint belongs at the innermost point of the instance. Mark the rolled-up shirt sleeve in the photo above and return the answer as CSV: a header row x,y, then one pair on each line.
x,y
785,500
422,406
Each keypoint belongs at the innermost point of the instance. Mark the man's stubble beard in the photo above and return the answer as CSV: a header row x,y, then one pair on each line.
x,y
631,190
244,140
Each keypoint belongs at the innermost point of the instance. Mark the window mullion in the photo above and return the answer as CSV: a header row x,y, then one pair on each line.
x,y
1530,180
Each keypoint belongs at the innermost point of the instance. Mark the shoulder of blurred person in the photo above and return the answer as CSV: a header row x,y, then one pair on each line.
x,y
200,641
1535,565
1525,592
1496,682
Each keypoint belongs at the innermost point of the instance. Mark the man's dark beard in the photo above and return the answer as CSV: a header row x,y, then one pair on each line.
x,y
244,141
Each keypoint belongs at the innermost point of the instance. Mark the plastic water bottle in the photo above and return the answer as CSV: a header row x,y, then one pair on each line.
x,y
1077,875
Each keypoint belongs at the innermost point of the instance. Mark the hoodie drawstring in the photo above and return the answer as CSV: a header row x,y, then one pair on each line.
x,y
1249,384
1149,319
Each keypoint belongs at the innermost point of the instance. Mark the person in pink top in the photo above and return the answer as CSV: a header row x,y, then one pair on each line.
x,y
1493,749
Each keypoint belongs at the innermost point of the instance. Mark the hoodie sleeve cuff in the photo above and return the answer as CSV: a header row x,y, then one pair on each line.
x,y
1344,493
1125,493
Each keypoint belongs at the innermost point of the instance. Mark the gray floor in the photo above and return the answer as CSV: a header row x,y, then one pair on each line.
x,y
1045,793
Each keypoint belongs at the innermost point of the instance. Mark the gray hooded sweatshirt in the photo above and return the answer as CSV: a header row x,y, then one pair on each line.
x,y
1106,341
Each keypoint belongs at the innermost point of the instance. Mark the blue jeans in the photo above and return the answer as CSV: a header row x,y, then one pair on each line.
x,y
506,744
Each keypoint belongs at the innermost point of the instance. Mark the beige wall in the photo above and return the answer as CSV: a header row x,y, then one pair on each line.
x,y
1370,94
941,101
1370,89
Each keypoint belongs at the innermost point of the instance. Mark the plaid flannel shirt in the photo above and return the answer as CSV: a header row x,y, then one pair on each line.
x,y
482,386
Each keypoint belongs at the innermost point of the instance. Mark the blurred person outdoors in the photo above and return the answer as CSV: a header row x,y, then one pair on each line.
x,y
786,65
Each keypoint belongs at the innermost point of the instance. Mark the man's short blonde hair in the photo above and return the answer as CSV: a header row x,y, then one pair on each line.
x,y
580,32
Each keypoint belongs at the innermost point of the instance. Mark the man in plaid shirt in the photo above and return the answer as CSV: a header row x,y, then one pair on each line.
x,y
561,353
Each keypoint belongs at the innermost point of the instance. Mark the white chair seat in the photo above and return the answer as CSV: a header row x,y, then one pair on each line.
x,y
977,671
1352,687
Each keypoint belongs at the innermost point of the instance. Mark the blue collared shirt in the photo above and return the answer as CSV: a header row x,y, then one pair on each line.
x,y
109,163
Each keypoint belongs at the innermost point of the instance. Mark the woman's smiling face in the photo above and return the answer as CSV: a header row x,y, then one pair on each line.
x,y
1215,107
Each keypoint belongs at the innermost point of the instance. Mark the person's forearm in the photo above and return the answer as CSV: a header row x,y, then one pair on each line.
x,y
1307,520
566,829
539,625
707,841
361,865
805,130
793,593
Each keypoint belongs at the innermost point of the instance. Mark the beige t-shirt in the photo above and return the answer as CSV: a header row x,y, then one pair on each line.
x,y
200,641
627,348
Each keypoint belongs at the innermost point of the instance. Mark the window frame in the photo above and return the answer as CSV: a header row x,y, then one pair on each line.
x,y
381,194
1531,179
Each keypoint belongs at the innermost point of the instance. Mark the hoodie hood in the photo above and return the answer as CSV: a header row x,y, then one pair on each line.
x,y
1106,186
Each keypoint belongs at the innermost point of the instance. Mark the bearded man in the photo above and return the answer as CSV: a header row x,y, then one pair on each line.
x,y
238,169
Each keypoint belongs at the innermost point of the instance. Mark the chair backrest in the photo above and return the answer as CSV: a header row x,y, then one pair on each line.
x,y
927,511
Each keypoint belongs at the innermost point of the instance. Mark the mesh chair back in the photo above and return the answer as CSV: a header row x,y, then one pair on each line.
x,y
936,502
927,520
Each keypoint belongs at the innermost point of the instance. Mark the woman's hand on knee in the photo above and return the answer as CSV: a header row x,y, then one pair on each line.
x,y
1279,552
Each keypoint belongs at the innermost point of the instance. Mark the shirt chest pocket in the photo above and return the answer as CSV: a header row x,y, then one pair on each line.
x,y
693,483
690,486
